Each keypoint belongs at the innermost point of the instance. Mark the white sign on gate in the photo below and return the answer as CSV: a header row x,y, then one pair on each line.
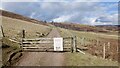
x,y
58,44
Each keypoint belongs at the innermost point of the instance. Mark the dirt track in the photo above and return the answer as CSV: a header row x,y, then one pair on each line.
x,y
43,58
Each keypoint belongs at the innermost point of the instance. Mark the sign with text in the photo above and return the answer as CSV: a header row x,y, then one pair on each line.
x,y
58,44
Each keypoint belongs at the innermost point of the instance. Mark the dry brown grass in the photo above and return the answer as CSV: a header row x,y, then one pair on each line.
x,y
13,28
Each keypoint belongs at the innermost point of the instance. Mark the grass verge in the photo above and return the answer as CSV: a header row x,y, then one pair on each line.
x,y
10,52
78,59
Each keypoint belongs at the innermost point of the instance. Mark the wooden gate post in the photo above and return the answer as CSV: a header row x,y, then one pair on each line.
x,y
74,44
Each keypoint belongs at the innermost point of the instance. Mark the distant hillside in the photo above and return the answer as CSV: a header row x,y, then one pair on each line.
x,y
17,16
77,27
88,28
110,27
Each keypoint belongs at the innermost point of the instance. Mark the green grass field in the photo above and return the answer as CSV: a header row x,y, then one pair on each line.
x,y
79,59
87,35
92,35
8,48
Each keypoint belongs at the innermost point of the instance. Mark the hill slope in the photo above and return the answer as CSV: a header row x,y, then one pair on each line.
x,y
13,27
88,28
20,17
13,24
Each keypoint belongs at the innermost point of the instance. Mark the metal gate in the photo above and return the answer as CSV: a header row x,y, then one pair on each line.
x,y
47,44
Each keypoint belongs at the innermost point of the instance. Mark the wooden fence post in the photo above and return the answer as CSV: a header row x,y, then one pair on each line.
x,y
75,44
23,36
72,44
108,45
83,41
117,48
2,31
104,51
23,33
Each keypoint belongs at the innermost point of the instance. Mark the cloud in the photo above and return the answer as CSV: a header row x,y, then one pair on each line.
x,y
63,18
1,6
108,19
60,0
32,15
19,0
86,0
90,21
75,12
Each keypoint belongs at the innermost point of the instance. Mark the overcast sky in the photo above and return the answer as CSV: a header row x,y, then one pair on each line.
x,y
92,13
